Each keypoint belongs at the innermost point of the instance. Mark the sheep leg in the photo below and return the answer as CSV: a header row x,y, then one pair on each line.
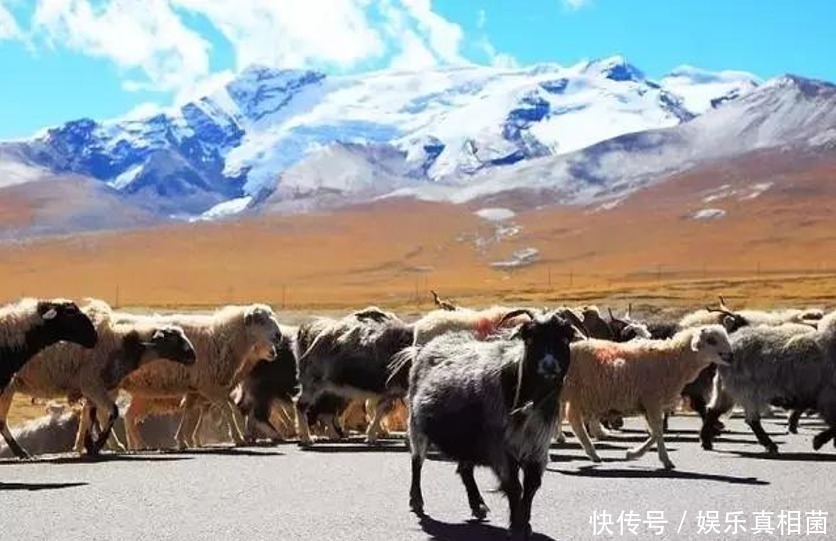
x,y
288,422
260,419
657,431
380,410
232,416
578,427
721,403
5,404
302,427
823,437
754,421
596,429
103,403
418,447
792,422
330,425
474,498
532,479
85,423
559,436
132,416
513,491
186,408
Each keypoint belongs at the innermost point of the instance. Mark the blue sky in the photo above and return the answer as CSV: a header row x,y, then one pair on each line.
x,y
64,59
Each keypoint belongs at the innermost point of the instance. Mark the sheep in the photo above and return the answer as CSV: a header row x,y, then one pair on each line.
x,y
708,316
489,403
791,366
52,433
228,343
616,330
644,376
481,323
699,391
269,384
626,328
31,325
349,358
70,370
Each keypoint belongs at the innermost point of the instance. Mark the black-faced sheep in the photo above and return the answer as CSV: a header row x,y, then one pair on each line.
x,y
70,370
228,343
790,366
350,358
489,403
641,376
30,325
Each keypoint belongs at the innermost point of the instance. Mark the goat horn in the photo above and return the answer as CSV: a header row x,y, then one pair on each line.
x,y
576,321
629,309
514,313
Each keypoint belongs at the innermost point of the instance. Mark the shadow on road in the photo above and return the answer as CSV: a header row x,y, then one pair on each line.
x,y
38,486
84,459
624,473
469,531
355,447
222,451
788,457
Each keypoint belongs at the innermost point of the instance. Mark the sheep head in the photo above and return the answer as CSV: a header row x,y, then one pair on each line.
x,y
62,319
712,341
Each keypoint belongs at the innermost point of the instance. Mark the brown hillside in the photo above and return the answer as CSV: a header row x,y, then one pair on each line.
x,y
776,247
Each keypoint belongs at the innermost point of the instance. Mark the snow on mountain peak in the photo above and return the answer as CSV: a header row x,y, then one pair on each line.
x,y
702,90
295,132
615,67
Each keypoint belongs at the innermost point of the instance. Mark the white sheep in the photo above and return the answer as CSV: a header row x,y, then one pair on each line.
x,y
228,343
644,376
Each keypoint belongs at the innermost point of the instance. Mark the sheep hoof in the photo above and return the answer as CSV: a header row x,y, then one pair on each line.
x,y
772,449
595,458
22,455
668,465
707,445
818,443
480,512
417,506
561,439
524,532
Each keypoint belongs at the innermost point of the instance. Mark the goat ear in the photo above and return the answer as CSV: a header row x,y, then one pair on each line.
x,y
729,322
696,341
49,314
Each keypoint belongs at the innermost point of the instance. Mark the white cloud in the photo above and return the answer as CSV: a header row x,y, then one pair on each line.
x,y
144,35
8,26
575,5
495,58
293,33
155,48
444,37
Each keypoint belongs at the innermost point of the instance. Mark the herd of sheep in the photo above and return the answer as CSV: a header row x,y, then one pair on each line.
x,y
484,387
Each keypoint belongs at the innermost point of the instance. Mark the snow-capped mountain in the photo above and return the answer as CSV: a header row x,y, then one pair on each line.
x,y
279,134
789,113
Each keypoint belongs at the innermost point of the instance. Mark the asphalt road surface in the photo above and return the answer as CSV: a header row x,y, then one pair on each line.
x,y
348,491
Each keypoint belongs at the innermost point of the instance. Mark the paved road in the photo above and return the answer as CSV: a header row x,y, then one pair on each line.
x,y
351,492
